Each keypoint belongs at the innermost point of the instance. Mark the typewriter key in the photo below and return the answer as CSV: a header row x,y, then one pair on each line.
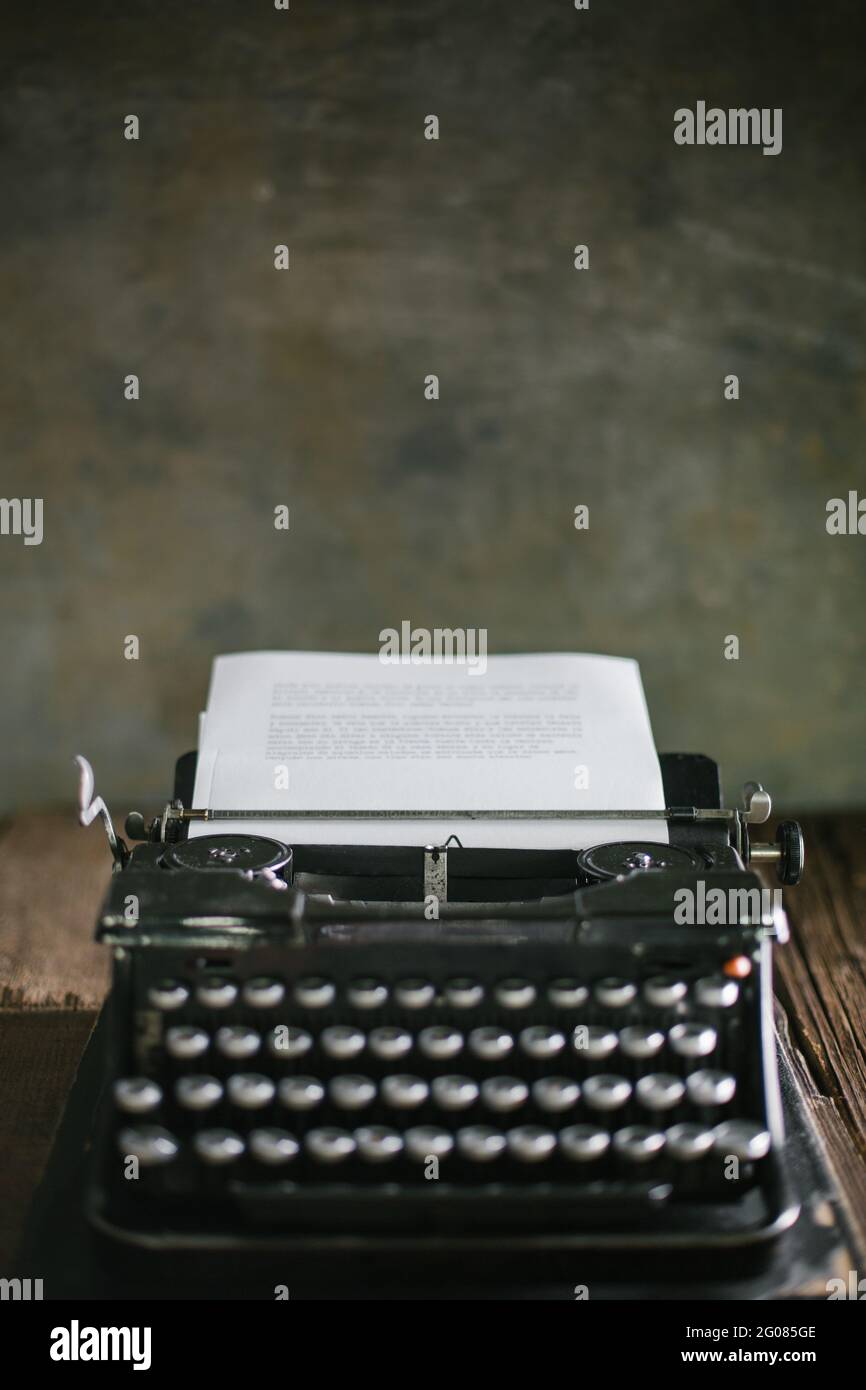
x,y
300,1092
693,1039
480,1144
198,1092
584,1142
272,1146
150,1144
742,1138
594,1041
404,1092
660,1091
490,1043
216,994
390,1043
454,1092
351,1092
169,994
530,1143
555,1093
186,1042
641,1043
378,1143
710,1087
251,853
688,1142
237,1042
426,1141
515,994
638,1144
289,1043
218,1146
567,994
366,994
137,1094
440,1042
330,1145
464,994
314,993
624,856
606,1092
615,994
342,1041
664,991
716,992
542,1042
414,994
250,1090
504,1093
263,993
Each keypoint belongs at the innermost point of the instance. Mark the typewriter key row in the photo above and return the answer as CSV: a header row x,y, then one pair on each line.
x,y
661,992
152,1145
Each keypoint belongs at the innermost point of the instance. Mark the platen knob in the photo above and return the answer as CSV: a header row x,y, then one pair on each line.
x,y
789,838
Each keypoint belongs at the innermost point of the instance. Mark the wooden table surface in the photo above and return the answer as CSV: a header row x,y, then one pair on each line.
x,y
53,979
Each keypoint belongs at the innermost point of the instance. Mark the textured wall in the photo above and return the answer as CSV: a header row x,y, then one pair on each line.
x,y
409,257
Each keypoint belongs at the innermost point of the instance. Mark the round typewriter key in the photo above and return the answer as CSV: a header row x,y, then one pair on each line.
x,y
664,991
584,1142
169,994
464,994
251,853
541,1042
594,1041
490,1043
198,1092
440,1042
504,1093
454,1092
263,993
641,1043
404,1092
688,1142
414,994
273,1146
710,1087
716,992
186,1042
366,994
480,1143
567,994
218,1146
615,994
300,1092
555,1093
216,994
150,1144
289,1042
330,1145
378,1143
314,993
624,856
515,994
606,1092
693,1039
530,1143
351,1092
237,1042
250,1090
638,1144
428,1141
659,1091
742,1138
137,1094
390,1043
342,1041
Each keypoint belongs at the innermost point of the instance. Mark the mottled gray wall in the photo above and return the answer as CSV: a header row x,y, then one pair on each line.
x,y
410,257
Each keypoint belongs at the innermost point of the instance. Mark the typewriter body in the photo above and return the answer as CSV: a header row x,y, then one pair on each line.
x,y
441,1047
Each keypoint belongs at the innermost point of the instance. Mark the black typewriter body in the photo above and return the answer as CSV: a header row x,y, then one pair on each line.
x,y
301,1055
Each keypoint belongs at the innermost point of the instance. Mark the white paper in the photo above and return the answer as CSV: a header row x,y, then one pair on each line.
x,y
553,732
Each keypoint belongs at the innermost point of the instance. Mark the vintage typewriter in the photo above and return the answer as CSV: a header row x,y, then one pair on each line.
x,y
442,1047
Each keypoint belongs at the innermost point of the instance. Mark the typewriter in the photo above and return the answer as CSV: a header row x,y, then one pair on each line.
x,y
443,1047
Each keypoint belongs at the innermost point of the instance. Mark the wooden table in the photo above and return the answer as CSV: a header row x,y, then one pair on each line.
x,y
53,979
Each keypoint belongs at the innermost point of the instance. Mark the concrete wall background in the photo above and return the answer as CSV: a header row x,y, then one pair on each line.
x,y
410,257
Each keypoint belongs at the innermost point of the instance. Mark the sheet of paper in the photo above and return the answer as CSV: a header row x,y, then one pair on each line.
x,y
285,731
